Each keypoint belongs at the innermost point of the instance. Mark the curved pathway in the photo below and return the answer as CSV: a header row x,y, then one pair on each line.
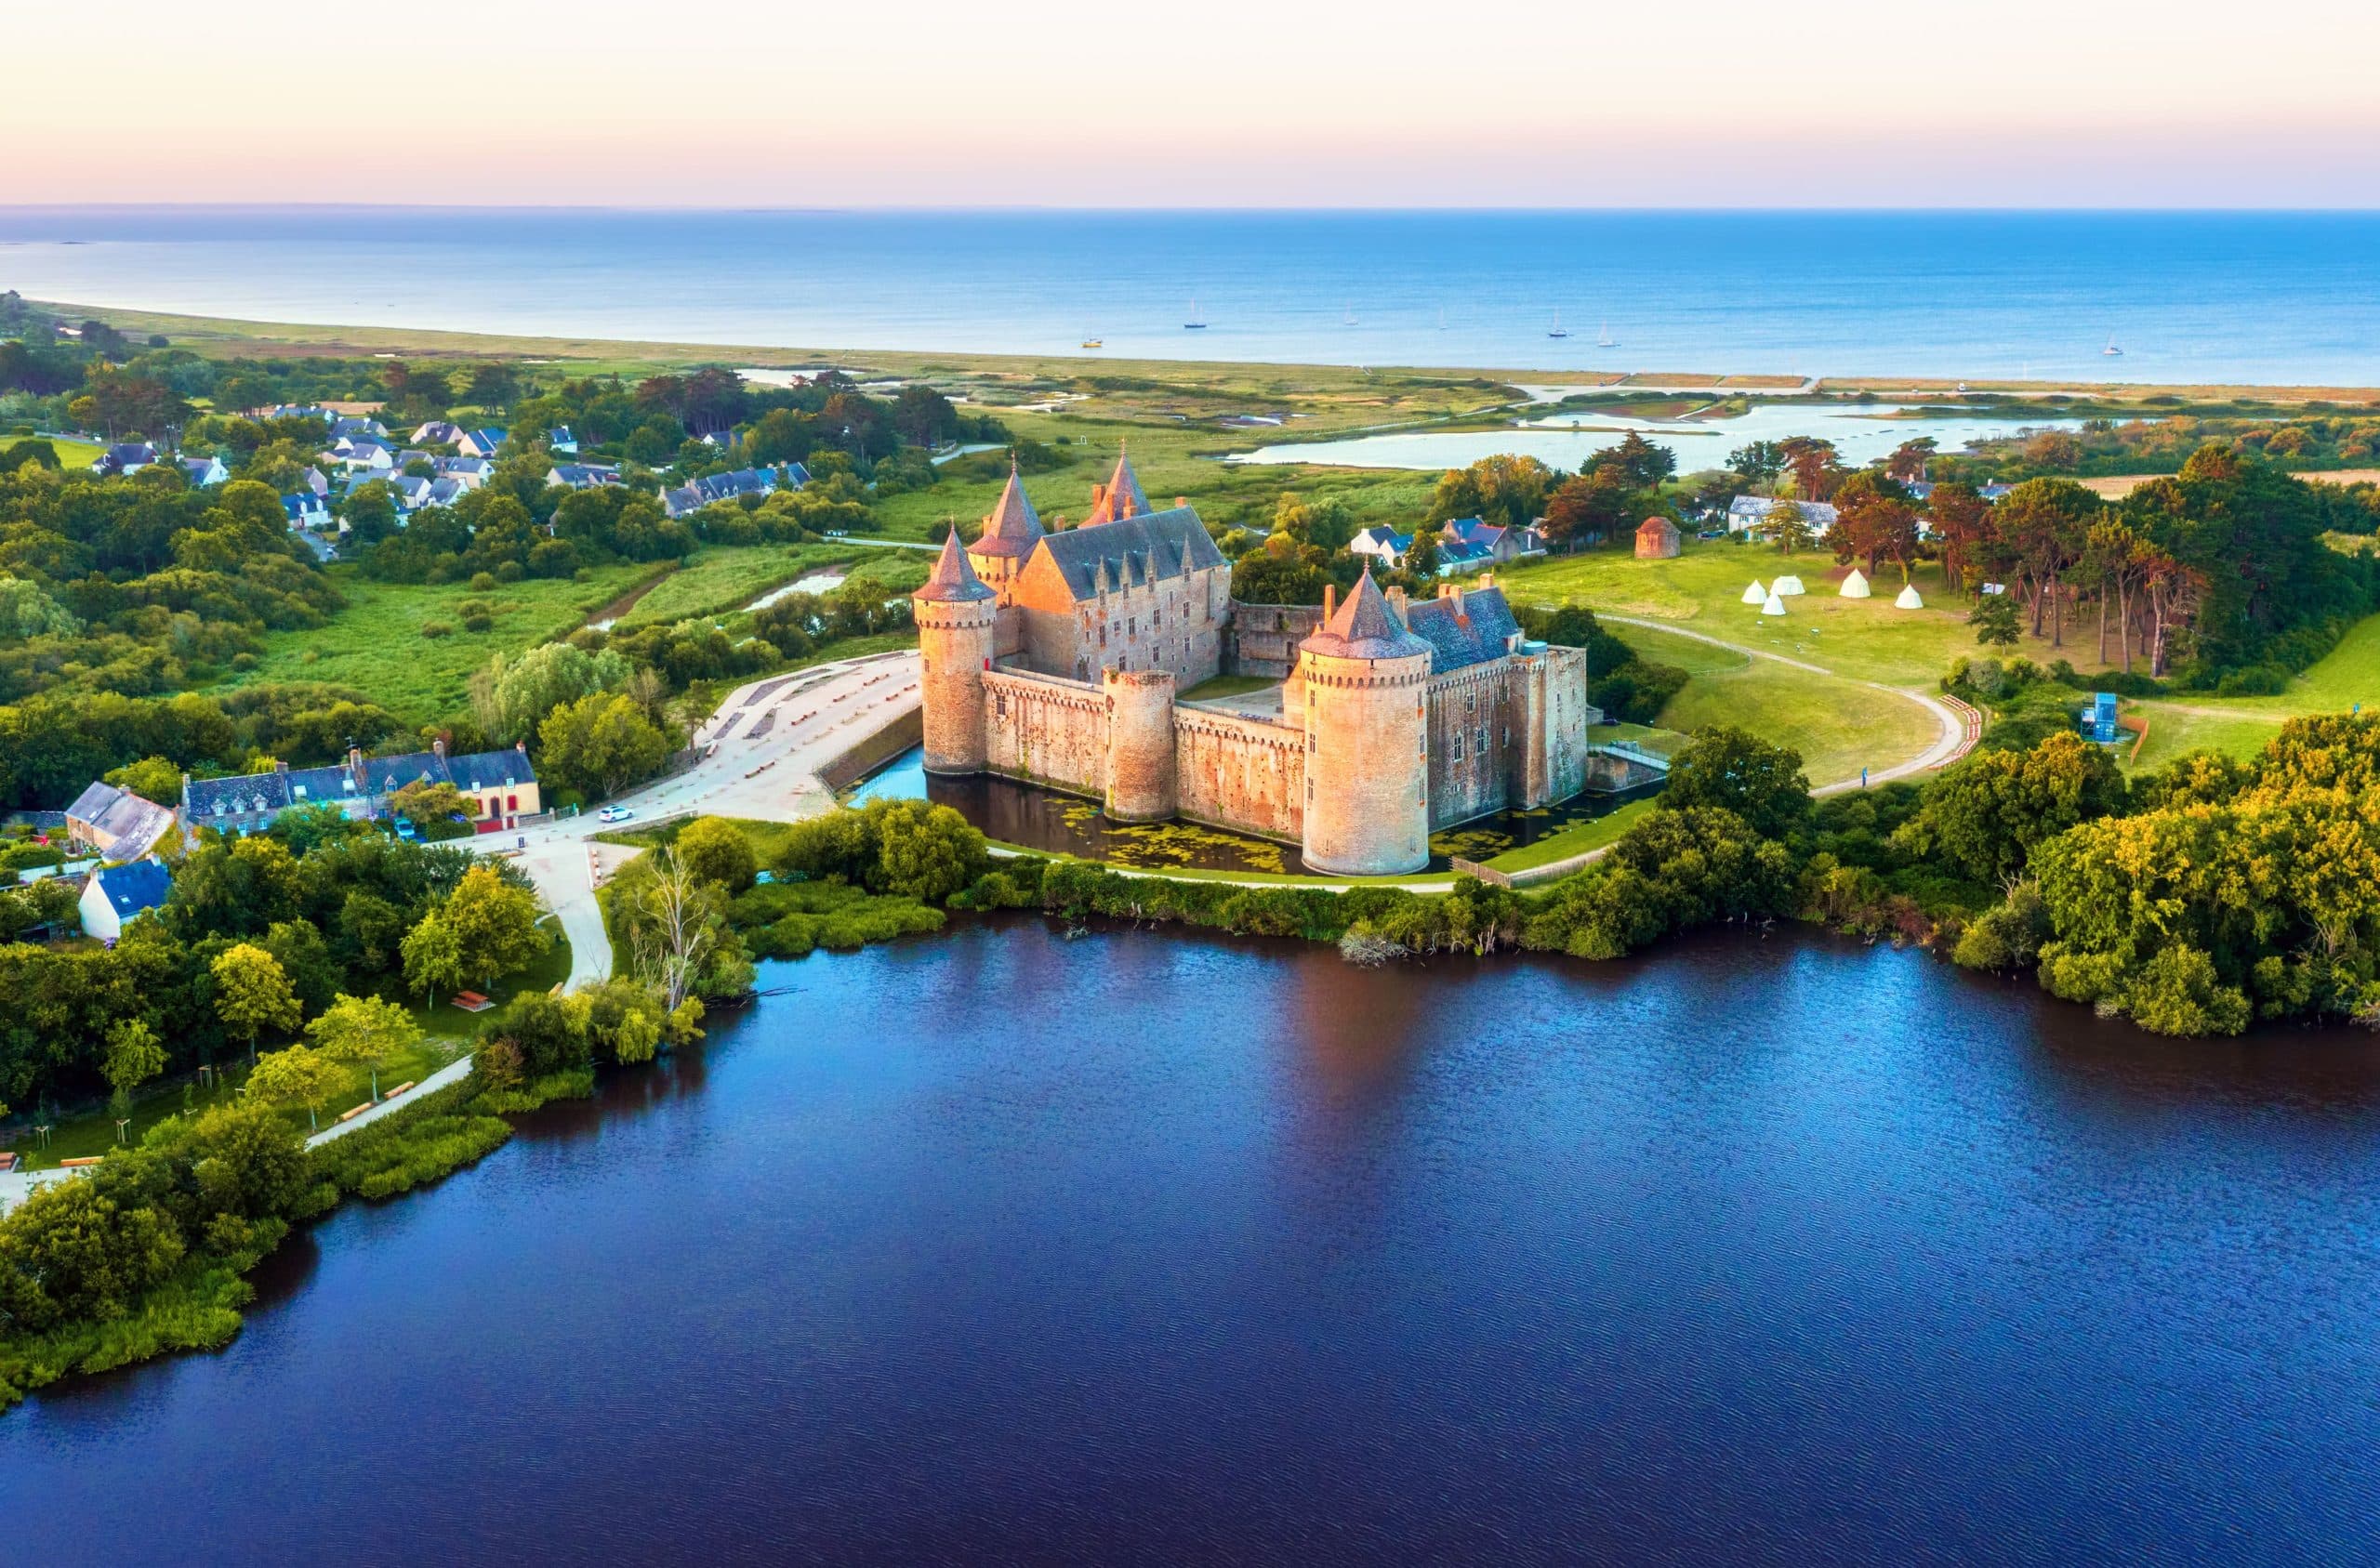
x,y
1961,725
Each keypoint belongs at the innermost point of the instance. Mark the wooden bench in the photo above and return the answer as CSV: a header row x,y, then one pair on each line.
x,y
79,1162
354,1111
472,1002
398,1090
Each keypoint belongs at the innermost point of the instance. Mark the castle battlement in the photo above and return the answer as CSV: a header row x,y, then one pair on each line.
x,y
1059,658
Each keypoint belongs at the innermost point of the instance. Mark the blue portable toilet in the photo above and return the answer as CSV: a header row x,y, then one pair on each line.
x,y
2099,718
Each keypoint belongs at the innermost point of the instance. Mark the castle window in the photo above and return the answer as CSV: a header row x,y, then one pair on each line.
x,y
999,705
1483,740
1457,746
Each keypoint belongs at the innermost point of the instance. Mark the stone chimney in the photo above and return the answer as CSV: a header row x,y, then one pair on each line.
x,y
279,766
1397,604
356,769
1329,601
438,747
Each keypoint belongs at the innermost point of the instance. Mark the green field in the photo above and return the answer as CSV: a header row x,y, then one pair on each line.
x,y
1839,726
71,453
375,646
1571,841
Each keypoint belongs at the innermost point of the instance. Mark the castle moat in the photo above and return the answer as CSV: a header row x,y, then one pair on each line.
x,y
1053,822
1149,1246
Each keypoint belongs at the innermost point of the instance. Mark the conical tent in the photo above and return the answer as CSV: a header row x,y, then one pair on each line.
x,y
1787,586
1755,594
1909,599
1775,606
1855,586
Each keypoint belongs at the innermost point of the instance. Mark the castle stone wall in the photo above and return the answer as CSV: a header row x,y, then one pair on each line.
x,y
1367,750
1046,730
1240,772
955,643
1476,749
1263,639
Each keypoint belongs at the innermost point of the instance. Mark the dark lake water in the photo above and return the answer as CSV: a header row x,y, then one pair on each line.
x,y
1054,823
1145,1247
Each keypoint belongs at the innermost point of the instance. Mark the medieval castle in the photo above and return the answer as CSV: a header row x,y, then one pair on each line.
x,y
1058,658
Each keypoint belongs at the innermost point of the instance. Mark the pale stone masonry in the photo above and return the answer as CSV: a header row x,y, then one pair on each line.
x,y
1059,659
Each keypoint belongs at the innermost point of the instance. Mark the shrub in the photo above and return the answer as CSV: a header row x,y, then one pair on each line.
x,y
435,629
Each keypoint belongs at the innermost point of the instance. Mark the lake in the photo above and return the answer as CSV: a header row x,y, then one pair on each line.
x,y
1568,441
997,1246
2259,296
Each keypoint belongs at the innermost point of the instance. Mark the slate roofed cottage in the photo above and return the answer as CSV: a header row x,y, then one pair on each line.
x,y
117,895
480,442
124,457
501,787
116,823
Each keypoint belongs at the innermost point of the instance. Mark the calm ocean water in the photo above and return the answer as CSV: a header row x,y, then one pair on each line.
x,y
2189,297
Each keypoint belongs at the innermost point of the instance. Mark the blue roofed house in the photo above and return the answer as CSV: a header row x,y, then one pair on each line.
x,y
501,787
438,432
1501,542
1749,514
480,442
695,495
1383,544
124,457
1460,555
203,471
117,895
582,476
560,439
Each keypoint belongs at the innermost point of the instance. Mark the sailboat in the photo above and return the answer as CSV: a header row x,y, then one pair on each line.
x,y
1196,322
1090,342
1556,329
1603,339
2111,351
1350,315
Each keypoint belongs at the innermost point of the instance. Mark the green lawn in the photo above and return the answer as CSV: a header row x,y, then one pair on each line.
x,y
2241,726
71,453
1645,737
722,579
1571,841
375,645
1838,726
1867,638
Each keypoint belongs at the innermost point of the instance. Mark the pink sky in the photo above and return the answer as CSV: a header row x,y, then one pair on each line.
x,y
1051,102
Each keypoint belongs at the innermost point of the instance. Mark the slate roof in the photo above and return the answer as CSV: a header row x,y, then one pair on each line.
x,y
131,822
953,579
1134,552
208,800
438,432
1470,630
1381,536
132,888
1013,527
1462,552
1122,497
1364,627
1472,531
580,476
1751,511
126,454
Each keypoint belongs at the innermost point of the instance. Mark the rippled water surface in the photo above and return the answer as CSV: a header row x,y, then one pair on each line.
x,y
1136,1248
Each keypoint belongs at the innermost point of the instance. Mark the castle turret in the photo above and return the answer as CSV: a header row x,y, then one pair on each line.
x,y
1010,529
1363,682
1140,745
958,619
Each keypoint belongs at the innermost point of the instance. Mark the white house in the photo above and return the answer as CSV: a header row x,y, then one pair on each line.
x,y
411,492
204,472
468,472
124,457
116,895
438,432
1383,544
1749,514
560,439
479,444
582,476
305,509
362,455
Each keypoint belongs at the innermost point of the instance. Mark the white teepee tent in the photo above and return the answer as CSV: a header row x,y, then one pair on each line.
x,y
1855,586
1787,586
1755,594
1773,606
1909,599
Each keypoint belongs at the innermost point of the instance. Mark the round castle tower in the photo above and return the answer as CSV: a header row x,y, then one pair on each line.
x,y
958,617
1363,680
1140,745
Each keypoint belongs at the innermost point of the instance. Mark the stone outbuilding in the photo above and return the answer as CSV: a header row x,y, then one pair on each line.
x,y
1657,539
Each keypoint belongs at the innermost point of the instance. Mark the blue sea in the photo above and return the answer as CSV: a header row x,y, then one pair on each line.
x,y
2270,298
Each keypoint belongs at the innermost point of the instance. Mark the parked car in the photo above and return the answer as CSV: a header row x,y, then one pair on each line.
x,y
615,814
405,830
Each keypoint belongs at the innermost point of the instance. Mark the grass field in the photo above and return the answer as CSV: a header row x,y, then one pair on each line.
x,y
1839,726
375,645
1701,590
1571,841
722,580
71,453
2349,675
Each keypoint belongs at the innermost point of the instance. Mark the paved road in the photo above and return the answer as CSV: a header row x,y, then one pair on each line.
x,y
765,746
1956,739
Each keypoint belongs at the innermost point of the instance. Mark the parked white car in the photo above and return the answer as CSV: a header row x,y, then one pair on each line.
x,y
615,814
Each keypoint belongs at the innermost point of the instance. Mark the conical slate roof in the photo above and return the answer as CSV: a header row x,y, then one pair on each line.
x,y
953,580
1123,497
1014,527
1365,628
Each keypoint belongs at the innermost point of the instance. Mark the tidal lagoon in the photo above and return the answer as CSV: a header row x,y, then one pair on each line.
x,y
1770,1248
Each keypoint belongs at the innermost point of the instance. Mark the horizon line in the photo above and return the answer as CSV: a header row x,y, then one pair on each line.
x,y
940,210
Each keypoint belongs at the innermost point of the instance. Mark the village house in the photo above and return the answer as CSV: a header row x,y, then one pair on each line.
x,y
361,455
1658,540
199,472
124,457
115,896
560,439
116,823
1749,514
468,472
500,786
1501,544
480,442
438,432
582,476
350,425
695,495
305,509
1383,544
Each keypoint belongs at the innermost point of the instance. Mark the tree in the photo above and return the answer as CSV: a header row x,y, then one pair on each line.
x,y
716,852
152,778
1816,466
370,512
1908,461
1643,465
1984,816
1594,505
1758,461
135,1056
1790,525
2041,524
1961,521
674,929
601,744
26,611
432,956
1504,490
512,696
495,924
1873,520
369,1029
296,1077
1996,621
1735,771
251,994
431,801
